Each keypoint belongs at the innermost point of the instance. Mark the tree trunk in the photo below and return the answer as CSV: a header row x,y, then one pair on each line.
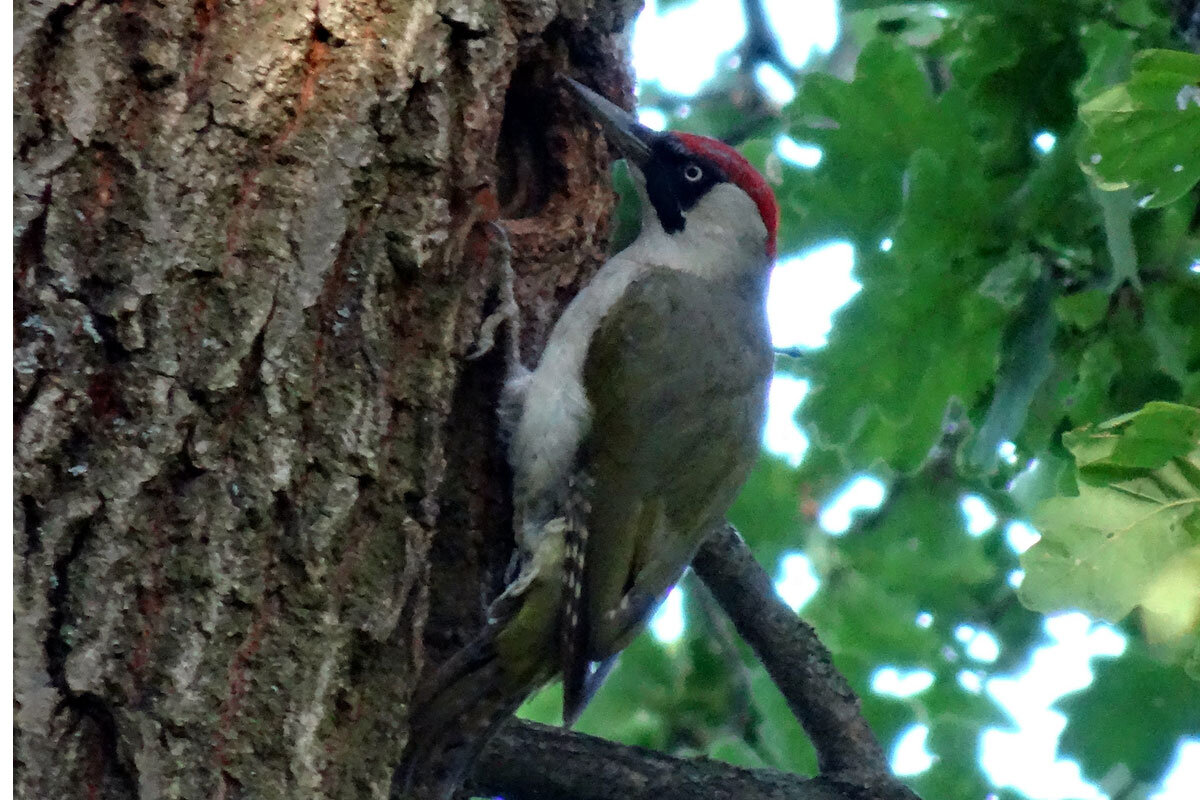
x,y
259,488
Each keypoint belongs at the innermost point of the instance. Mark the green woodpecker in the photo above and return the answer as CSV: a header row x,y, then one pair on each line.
x,y
633,435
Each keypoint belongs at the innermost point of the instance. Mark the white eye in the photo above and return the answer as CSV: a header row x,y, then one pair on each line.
x,y
693,173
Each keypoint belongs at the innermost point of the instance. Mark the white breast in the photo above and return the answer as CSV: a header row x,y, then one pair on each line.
x,y
556,413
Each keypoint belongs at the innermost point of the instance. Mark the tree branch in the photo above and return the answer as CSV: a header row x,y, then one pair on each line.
x,y
794,658
528,761
761,45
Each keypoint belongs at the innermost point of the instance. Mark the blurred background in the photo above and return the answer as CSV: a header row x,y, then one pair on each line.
x,y
988,240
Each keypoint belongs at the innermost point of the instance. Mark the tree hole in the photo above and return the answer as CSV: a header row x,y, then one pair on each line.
x,y
528,169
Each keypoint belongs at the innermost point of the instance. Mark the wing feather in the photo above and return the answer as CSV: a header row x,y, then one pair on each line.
x,y
676,385
574,624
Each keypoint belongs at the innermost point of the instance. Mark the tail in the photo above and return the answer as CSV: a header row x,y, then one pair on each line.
x,y
454,714
544,610
456,710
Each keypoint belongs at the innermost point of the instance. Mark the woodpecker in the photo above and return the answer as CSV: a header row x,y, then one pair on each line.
x,y
634,433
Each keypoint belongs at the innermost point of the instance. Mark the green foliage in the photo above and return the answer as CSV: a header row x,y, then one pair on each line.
x,y
1143,132
1135,517
1153,702
899,164
1009,297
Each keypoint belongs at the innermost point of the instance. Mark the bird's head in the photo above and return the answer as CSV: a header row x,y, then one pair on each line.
x,y
696,188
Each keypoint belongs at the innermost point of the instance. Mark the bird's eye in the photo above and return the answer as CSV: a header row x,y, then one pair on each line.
x,y
693,173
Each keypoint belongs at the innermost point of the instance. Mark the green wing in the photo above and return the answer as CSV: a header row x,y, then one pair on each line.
x,y
677,386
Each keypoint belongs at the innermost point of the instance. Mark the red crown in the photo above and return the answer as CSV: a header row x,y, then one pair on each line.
x,y
741,173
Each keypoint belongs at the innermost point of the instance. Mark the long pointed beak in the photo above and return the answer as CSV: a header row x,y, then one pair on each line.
x,y
631,137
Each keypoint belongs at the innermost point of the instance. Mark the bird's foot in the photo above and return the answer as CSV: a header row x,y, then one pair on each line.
x,y
508,313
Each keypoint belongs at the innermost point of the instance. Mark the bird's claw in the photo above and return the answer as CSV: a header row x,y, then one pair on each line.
x,y
508,311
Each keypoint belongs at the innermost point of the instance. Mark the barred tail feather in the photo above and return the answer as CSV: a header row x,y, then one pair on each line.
x,y
574,625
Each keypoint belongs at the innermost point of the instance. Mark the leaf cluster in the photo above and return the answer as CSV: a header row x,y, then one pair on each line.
x,y
1027,333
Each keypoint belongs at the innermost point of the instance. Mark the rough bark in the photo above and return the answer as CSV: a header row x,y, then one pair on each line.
x,y
258,487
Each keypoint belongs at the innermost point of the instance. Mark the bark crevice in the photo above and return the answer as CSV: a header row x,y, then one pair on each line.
x,y
250,258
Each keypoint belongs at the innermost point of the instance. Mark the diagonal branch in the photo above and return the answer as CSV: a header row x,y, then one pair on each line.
x,y
794,658
528,761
